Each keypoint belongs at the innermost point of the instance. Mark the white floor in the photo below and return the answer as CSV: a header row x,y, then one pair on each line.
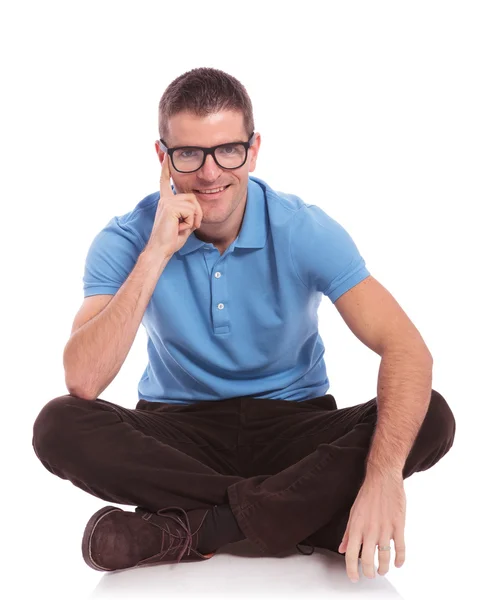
x,y
240,571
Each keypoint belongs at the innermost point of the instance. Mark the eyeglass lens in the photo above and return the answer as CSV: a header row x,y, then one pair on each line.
x,y
229,156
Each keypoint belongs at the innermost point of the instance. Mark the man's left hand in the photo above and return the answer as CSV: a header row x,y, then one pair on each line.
x,y
377,516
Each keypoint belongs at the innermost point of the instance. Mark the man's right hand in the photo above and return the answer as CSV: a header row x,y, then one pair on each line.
x,y
177,216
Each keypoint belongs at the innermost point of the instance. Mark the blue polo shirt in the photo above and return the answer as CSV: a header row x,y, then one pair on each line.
x,y
243,323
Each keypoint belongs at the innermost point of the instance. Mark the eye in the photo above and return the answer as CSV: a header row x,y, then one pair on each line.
x,y
228,149
232,150
187,154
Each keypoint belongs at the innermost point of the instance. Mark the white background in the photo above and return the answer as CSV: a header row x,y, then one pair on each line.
x,y
387,96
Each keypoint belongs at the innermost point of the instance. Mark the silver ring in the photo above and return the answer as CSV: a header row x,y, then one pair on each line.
x,y
383,547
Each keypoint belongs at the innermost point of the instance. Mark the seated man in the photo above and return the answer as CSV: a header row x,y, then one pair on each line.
x,y
234,435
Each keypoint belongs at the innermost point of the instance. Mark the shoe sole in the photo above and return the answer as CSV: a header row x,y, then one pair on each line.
x,y
88,532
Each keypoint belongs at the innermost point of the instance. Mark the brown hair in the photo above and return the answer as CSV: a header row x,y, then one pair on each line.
x,y
204,91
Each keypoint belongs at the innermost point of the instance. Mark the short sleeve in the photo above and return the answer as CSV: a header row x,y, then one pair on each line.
x,y
324,255
110,259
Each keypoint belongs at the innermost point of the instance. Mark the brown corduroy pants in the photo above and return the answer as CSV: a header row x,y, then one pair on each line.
x,y
289,470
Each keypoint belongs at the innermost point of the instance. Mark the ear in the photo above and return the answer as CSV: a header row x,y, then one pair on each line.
x,y
159,152
255,147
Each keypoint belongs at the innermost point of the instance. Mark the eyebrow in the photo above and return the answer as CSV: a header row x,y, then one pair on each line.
x,y
237,141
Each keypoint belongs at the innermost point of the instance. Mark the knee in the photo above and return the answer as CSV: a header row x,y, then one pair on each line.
x,y
439,422
54,425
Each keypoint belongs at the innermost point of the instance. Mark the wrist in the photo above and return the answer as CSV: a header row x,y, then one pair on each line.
x,y
376,471
156,253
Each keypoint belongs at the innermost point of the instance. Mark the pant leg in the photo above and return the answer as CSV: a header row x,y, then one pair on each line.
x,y
154,456
309,496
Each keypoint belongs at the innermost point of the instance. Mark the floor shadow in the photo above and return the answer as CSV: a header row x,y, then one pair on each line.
x,y
240,570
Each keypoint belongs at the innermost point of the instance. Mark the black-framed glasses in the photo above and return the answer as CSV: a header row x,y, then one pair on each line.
x,y
187,159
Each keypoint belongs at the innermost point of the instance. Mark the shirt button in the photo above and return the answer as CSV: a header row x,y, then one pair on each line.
x,y
218,275
221,306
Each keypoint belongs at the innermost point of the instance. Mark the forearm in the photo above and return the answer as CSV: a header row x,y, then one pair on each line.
x,y
96,352
403,395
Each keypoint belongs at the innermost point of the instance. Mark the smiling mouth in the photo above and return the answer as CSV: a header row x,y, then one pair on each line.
x,y
213,191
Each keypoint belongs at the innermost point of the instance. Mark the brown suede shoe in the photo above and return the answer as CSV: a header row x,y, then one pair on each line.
x,y
117,539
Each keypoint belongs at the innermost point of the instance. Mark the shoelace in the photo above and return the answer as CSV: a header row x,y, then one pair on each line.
x,y
175,539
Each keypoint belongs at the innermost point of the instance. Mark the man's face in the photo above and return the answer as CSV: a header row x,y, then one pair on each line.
x,y
187,129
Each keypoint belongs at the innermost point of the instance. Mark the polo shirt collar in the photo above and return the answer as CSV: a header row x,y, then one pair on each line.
x,y
253,232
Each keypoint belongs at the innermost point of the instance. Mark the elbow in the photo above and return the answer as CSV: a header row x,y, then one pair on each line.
x,y
75,389
78,392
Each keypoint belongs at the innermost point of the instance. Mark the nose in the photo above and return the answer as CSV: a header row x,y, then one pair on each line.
x,y
210,171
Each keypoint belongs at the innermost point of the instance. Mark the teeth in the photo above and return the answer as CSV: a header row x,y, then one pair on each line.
x,y
212,191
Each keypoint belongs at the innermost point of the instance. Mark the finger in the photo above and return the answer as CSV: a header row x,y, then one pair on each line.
x,y
352,556
184,226
399,547
384,556
165,182
186,219
367,557
198,215
343,544
198,211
